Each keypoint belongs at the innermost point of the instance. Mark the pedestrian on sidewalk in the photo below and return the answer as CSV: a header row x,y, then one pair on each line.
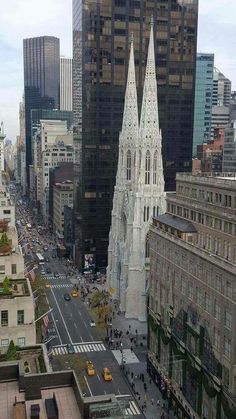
x,y
152,401
158,402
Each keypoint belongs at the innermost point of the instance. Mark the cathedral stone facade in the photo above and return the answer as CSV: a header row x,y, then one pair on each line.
x,y
139,192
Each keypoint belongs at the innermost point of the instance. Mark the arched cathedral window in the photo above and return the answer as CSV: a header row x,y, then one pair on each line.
x,y
155,168
128,165
147,168
147,248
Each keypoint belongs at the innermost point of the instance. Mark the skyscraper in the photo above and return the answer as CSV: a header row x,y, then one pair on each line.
x,y
203,100
41,80
101,34
66,84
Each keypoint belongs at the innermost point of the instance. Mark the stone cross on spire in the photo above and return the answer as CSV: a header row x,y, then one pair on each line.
x,y
130,123
149,120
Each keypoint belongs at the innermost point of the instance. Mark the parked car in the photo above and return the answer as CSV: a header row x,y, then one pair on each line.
x,y
67,297
92,323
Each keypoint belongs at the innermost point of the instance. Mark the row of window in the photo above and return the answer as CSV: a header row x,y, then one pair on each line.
x,y
191,265
227,344
5,319
13,269
20,342
146,212
204,219
147,167
217,198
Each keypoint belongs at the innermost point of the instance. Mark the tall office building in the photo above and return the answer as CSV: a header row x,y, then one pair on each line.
x,y
41,80
221,89
203,100
66,84
101,36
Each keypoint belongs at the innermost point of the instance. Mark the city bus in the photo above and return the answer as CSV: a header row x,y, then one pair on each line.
x,y
40,258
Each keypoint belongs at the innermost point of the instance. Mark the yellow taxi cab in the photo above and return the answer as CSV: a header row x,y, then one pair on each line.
x,y
90,368
47,285
74,293
106,373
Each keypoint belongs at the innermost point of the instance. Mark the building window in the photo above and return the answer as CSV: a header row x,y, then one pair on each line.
x,y
199,297
228,319
217,311
6,211
21,341
190,292
4,318
147,168
13,268
155,168
228,289
20,317
147,249
216,339
218,283
207,303
227,347
128,165
2,269
4,342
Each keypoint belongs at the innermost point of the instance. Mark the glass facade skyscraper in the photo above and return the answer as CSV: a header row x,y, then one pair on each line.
x,y
41,80
203,100
101,39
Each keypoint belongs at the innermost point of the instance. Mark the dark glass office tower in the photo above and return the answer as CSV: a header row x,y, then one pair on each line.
x,y
41,79
101,35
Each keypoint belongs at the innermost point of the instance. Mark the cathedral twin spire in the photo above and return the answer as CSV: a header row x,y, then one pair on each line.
x,y
149,121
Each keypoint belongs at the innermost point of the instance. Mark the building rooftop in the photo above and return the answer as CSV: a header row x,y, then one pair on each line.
x,y
17,288
216,179
176,222
65,397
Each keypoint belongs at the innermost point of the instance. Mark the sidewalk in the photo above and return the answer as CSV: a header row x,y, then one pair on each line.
x,y
132,371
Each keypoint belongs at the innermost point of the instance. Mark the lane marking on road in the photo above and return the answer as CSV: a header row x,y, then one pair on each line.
x,y
75,325
98,377
61,315
53,318
85,379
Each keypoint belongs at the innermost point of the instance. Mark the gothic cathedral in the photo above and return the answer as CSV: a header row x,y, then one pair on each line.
x,y
139,192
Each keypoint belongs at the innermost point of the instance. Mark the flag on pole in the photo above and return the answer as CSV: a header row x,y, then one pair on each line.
x,y
46,321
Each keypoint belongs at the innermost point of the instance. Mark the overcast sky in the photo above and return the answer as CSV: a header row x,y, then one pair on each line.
x,y
26,18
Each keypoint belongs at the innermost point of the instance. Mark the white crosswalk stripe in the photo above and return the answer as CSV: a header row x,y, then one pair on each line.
x,y
132,409
61,286
79,348
61,276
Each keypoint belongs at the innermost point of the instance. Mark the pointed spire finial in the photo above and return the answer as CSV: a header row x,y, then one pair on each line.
x,y
149,121
152,21
130,116
132,38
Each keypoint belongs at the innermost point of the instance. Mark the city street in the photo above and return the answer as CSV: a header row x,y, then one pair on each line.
x,y
70,320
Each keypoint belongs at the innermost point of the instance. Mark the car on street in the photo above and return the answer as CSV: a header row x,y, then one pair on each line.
x,y
70,348
56,274
92,323
48,270
90,368
106,373
45,248
74,293
67,297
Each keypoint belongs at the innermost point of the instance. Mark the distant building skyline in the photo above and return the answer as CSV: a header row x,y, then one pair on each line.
x,y
66,84
41,80
203,99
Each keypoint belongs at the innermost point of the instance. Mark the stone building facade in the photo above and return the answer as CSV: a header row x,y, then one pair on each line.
x,y
192,297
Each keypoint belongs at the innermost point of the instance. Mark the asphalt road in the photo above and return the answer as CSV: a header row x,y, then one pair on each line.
x,y
69,320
